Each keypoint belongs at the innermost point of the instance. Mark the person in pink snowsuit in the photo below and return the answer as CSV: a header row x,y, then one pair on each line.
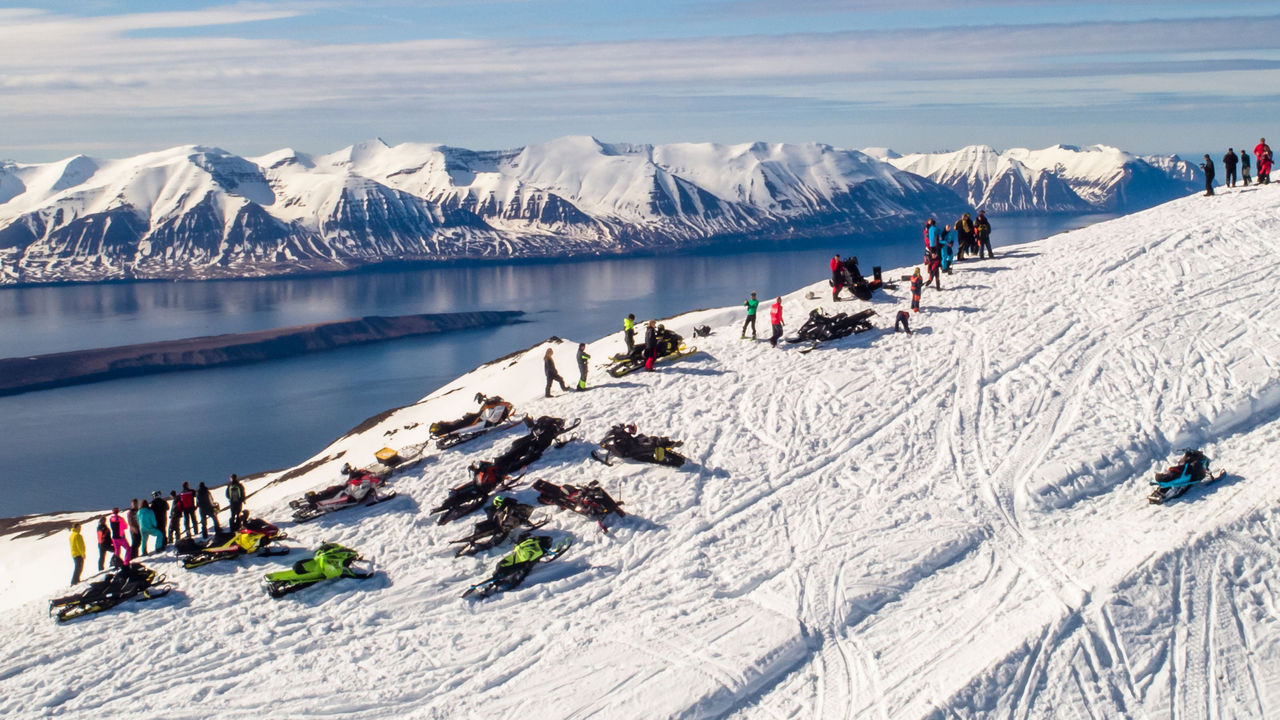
x,y
120,537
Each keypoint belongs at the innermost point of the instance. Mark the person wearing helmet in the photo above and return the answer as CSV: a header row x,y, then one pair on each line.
x,y
235,498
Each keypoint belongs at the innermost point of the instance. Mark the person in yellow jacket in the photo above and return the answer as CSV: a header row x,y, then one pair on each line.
x,y
77,552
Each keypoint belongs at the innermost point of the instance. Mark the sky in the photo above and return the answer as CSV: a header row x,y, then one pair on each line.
x,y
111,79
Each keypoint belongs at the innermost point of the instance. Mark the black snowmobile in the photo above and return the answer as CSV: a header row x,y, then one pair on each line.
x,y
820,326
491,477
1192,469
130,581
515,567
503,516
590,500
670,346
623,441
494,414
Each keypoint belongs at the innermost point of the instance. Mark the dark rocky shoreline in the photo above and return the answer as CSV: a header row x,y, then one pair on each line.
x,y
42,372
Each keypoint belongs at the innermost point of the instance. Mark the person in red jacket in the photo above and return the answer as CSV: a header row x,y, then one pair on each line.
x,y
1262,153
187,501
775,318
104,543
837,278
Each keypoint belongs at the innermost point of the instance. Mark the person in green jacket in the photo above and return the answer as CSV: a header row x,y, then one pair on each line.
x,y
629,332
77,553
752,303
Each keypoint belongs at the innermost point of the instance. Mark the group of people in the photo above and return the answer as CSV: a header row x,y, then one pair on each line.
x,y
972,237
157,523
1261,151
775,319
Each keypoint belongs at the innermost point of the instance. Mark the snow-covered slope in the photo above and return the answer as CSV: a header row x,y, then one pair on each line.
x,y
202,212
1056,179
950,524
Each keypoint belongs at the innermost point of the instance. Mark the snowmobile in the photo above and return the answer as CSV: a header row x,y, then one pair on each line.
x,y
123,583
670,347
504,515
490,477
1192,469
590,500
255,536
515,567
360,488
821,326
494,414
331,561
623,441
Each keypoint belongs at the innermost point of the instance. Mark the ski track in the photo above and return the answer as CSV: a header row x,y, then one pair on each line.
x,y
948,525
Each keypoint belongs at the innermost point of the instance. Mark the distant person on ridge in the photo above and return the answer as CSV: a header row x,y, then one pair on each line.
x,y
583,358
629,332
982,231
147,521
965,237
1207,167
549,368
933,263
775,318
104,543
1244,167
752,303
235,498
208,511
916,283
946,250
837,281
175,516
77,553
1262,153
1229,166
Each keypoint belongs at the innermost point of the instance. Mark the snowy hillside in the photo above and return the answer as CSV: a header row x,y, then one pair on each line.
x,y
950,524
1056,179
198,212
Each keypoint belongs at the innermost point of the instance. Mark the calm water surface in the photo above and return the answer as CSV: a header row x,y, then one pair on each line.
x,y
95,446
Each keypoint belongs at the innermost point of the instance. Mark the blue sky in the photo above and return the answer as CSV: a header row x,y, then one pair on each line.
x,y
113,78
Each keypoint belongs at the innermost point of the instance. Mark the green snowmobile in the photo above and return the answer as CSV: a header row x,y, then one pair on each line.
x,y
331,561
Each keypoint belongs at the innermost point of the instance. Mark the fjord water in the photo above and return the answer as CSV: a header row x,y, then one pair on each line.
x,y
95,446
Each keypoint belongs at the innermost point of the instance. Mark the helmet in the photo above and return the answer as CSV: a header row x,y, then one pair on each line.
x,y
346,468
544,542
479,397
498,501
155,495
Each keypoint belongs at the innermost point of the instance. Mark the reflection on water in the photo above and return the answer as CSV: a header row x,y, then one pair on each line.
x,y
97,445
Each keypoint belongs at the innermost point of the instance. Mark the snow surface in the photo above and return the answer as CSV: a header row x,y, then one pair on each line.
x,y
950,524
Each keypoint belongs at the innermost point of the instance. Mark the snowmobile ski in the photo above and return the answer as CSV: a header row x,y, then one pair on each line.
x,y
306,513
457,438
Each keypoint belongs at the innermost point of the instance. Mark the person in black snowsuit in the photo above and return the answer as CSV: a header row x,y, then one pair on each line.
x,y
161,510
1207,167
204,501
650,344
549,367
1244,167
583,358
104,542
1229,165
982,234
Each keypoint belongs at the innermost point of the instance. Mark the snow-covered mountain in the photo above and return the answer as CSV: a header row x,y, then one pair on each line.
x,y
945,525
198,212
1056,179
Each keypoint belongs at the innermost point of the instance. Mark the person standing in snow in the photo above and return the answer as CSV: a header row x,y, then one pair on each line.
x,y
930,233
135,531
175,516
147,522
208,511
650,345
549,368
160,509
187,498
583,358
1244,167
629,332
752,303
982,232
1229,165
837,279
964,237
1207,167
1262,153
235,498
104,542
945,249
119,540
77,553
916,283
775,318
